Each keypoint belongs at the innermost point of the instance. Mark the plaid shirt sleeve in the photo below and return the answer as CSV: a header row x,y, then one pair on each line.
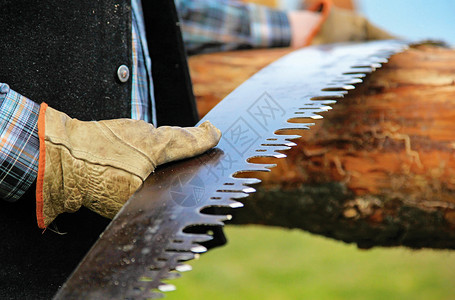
x,y
142,98
19,146
221,25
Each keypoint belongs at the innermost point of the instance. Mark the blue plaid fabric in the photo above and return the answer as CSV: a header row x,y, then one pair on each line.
x,y
19,144
142,98
221,25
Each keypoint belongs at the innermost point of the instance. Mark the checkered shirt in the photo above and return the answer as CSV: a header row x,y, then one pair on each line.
x,y
19,145
221,25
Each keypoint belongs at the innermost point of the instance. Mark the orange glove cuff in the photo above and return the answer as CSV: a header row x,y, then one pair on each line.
x,y
41,166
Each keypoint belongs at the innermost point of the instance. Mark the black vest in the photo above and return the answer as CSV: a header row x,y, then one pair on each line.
x,y
67,53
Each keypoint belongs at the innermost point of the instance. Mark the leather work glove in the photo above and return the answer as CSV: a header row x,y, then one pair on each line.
x,y
341,25
99,165
323,23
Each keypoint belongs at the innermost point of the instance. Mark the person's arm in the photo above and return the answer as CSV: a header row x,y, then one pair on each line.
x,y
343,25
304,26
209,25
19,144
221,25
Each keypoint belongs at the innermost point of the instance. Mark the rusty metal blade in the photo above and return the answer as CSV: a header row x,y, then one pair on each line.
x,y
156,230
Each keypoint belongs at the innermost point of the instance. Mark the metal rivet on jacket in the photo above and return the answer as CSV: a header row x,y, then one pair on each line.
x,y
123,73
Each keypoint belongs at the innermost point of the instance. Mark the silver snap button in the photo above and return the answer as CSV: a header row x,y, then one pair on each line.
x,y
4,88
123,73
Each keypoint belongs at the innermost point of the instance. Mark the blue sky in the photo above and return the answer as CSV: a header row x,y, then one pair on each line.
x,y
414,19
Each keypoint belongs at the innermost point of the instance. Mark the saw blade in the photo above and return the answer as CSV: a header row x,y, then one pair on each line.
x,y
153,235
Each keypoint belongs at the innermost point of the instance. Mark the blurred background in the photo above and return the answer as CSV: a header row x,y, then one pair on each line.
x,y
273,263
412,19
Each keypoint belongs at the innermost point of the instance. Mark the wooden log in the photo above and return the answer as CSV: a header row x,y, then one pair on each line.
x,y
378,170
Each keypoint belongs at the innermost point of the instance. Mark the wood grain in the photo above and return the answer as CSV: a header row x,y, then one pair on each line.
x,y
381,163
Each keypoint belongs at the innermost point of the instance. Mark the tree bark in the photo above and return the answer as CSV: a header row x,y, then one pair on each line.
x,y
378,170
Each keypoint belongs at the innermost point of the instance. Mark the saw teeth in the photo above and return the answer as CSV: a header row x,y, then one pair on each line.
x,y
172,275
242,188
372,67
183,237
206,219
281,140
249,190
243,181
362,69
380,60
316,108
238,195
199,249
236,205
229,195
179,247
271,154
286,144
185,256
183,268
225,203
287,137
355,74
337,88
332,97
184,241
317,104
257,168
292,126
325,108
273,149
329,95
347,81
166,287
308,113
348,87
355,81
149,295
387,53
248,181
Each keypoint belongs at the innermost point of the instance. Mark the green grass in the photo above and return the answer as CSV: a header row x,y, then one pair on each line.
x,y
270,263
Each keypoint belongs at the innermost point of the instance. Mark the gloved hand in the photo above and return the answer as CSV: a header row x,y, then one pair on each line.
x,y
101,164
343,25
323,23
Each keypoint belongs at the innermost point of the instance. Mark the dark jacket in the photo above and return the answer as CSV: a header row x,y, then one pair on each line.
x,y
67,53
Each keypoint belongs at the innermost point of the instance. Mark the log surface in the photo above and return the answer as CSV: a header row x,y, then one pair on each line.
x,y
378,170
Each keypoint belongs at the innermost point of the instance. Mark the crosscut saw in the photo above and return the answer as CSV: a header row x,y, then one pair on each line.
x,y
159,228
